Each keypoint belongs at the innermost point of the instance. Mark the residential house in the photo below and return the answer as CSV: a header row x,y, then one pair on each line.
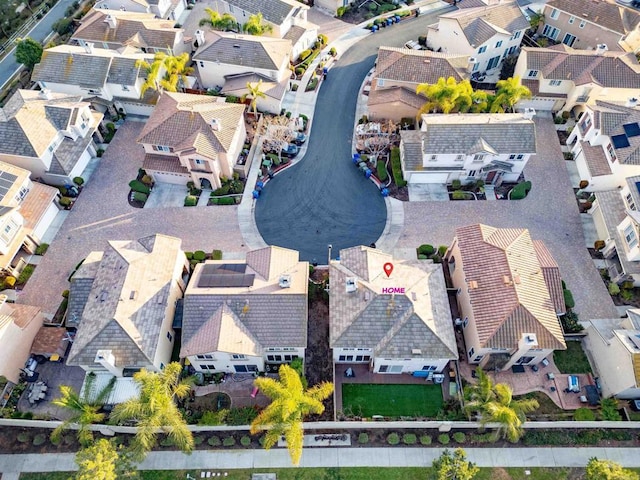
x,y
585,25
193,138
606,144
564,79
236,85
116,29
398,73
166,9
246,316
115,78
27,210
127,312
287,18
223,55
617,222
487,34
509,296
19,324
49,134
613,346
395,319
468,147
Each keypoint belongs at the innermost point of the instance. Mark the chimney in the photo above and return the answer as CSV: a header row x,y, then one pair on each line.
x,y
199,38
472,62
631,102
108,361
111,20
216,125
45,93
601,48
88,47
529,113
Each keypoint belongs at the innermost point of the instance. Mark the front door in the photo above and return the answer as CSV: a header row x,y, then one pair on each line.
x,y
490,177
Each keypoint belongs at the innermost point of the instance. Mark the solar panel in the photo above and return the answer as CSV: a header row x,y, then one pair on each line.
x,y
631,129
6,181
223,268
226,280
620,141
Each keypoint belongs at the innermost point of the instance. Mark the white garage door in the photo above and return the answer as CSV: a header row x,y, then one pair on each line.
x,y
435,177
537,103
166,177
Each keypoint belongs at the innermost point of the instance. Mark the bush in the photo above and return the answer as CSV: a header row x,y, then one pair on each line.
x,y
198,440
333,52
42,248
23,437
614,288
568,299
299,71
224,201
460,195
456,184
55,441
393,439
459,437
609,410
216,255
382,171
322,39
313,83
584,415
520,191
229,442
213,418
245,441
444,439
363,438
231,99
409,439
583,184
341,11
167,442
138,186
63,26
65,202
26,273
189,255
599,245
396,168
425,439
99,152
79,181
190,201
147,180
199,255
426,249
9,282
570,323
214,441
140,197
305,54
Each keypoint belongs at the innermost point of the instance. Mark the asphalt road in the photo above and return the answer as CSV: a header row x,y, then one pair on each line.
x,y
9,65
324,199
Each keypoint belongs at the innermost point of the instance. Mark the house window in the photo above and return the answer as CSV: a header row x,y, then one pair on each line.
x,y
571,20
366,358
554,13
342,358
585,124
7,229
512,49
201,64
493,63
478,358
479,157
465,322
459,158
582,24
517,34
274,358
472,173
569,39
252,368
533,73
207,367
358,358
199,161
630,203
204,357
612,153
471,352
383,368
238,357
482,49
241,368
429,368
499,44
555,83
550,32
631,237
161,366
169,336
161,148
524,360
349,358
381,82
476,67
433,158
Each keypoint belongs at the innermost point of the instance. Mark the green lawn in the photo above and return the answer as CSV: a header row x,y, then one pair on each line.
x,y
572,360
366,400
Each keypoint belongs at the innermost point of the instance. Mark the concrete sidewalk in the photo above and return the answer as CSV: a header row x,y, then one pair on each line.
x,y
335,457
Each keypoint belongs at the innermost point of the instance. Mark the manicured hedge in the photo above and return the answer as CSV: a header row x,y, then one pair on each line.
x,y
138,186
521,190
190,201
396,168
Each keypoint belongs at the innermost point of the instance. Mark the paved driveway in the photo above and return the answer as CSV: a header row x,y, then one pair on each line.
x,y
102,213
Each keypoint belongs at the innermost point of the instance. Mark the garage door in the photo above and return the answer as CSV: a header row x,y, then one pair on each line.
x,y
168,177
537,103
436,177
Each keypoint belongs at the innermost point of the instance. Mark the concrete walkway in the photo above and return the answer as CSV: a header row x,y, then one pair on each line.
x,y
10,465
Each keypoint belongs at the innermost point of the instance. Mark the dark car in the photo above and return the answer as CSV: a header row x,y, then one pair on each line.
x,y
300,138
289,151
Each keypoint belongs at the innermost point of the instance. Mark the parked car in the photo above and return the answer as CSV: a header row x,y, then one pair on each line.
x,y
300,138
290,151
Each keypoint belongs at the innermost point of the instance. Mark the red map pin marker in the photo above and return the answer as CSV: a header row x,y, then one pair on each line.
x,y
388,268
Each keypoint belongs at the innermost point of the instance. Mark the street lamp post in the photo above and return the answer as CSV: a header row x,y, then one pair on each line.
x,y
329,247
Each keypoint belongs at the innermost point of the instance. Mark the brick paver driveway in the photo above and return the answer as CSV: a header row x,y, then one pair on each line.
x,y
549,212
102,213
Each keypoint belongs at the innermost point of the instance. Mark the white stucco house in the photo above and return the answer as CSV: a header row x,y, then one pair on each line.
x,y
167,9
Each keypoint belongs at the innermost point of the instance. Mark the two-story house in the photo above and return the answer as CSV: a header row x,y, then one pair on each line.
x,y
94,73
166,9
509,294
127,311
487,34
246,316
193,138
397,74
468,146
395,319
585,25
115,29
564,79
49,134
27,210
287,18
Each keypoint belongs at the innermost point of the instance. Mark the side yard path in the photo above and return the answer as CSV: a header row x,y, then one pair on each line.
x,y
337,457
102,213
549,212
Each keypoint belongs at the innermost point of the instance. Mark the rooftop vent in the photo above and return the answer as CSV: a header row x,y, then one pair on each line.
x,y
216,125
632,102
416,351
284,281
133,295
351,285
601,48
506,280
473,284
516,279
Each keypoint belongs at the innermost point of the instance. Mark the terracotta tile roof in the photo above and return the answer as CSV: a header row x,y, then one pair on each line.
x,y
551,273
606,14
393,325
380,96
596,160
511,297
534,85
21,315
132,28
49,341
36,204
184,121
163,163
419,66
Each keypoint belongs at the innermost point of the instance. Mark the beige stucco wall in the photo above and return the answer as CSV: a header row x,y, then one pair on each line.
x,y
16,345
587,38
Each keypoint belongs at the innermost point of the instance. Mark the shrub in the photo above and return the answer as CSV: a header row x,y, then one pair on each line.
x,y
214,441
65,202
55,441
299,72
570,323
363,438
216,255
396,168
426,249
584,415
322,39
425,439
393,439
190,201
147,180
382,171
456,184
626,294
241,416
568,299
313,83
409,439
167,442
42,248
138,186
140,197
609,410
444,439
442,249
23,437
229,442
231,99
26,273
520,191
341,11
198,440
614,288
599,245
99,152
245,441
189,255
460,195
305,54
459,437
224,201
213,418
79,181
9,282
63,26
583,184
199,255
333,52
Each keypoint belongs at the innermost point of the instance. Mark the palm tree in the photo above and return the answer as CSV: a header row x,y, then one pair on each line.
x,y
290,403
508,93
155,408
175,70
256,25
84,409
224,22
255,93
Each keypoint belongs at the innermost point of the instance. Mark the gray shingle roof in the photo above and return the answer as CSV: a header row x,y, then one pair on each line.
x,y
392,325
86,71
419,66
611,118
123,71
608,15
274,11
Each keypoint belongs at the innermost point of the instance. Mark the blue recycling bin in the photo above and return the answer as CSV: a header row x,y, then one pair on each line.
x,y
356,158
255,194
385,192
